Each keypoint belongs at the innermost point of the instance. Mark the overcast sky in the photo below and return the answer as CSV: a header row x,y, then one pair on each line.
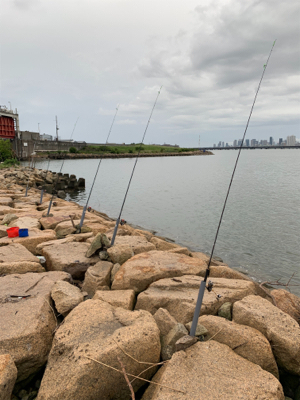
x,y
81,59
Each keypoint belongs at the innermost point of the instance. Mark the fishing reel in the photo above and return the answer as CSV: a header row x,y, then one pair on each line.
x,y
209,288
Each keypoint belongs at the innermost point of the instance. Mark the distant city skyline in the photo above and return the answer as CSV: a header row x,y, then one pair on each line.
x,y
289,141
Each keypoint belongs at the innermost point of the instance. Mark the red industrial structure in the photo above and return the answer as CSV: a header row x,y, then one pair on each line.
x,y
7,128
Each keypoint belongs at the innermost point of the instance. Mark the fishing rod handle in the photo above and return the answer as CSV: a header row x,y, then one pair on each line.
x,y
198,308
82,216
49,208
115,232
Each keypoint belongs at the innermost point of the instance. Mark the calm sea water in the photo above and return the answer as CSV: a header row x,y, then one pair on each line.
x,y
182,198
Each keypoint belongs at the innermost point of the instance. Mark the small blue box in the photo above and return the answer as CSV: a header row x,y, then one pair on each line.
x,y
23,232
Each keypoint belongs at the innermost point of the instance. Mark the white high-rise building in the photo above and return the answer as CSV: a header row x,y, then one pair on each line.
x,y
291,140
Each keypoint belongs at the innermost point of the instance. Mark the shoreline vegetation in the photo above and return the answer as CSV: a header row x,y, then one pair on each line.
x,y
122,151
71,303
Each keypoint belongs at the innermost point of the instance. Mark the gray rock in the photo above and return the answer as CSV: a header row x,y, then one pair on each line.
x,y
185,342
61,194
225,311
103,255
8,218
95,245
97,277
168,342
81,182
200,329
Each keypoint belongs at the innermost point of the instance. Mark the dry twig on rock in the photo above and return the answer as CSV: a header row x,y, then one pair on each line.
x,y
138,377
127,380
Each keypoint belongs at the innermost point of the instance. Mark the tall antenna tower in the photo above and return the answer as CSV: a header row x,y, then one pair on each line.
x,y
57,128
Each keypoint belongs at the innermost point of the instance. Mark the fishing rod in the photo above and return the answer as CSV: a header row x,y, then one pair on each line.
x,y
210,284
32,169
88,199
136,160
54,191
43,187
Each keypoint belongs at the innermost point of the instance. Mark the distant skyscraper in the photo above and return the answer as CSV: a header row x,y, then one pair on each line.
x,y
235,143
239,142
253,142
291,140
247,142
271,141
280,141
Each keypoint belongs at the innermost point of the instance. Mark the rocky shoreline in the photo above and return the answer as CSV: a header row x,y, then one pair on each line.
x,y
83,320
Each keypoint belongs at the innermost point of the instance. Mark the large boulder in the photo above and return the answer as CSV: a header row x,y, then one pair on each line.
x,y
8,376
97,277
68,257
243,340
179,295
39,248
96,331
143,269
210,371
26,222
163,245
6,201
29,320
16,259
66,297
129,245
280,329
120,254
52,222
34,238
65,228
117,298
288,303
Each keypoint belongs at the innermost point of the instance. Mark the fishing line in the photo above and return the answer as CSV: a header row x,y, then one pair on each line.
x,y
87,202
203,283
55,185
136,160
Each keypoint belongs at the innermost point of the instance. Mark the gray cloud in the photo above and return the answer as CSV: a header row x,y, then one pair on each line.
x,y
84,58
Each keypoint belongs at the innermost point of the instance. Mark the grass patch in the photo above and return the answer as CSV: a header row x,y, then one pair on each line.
x,y
132,148
9,163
